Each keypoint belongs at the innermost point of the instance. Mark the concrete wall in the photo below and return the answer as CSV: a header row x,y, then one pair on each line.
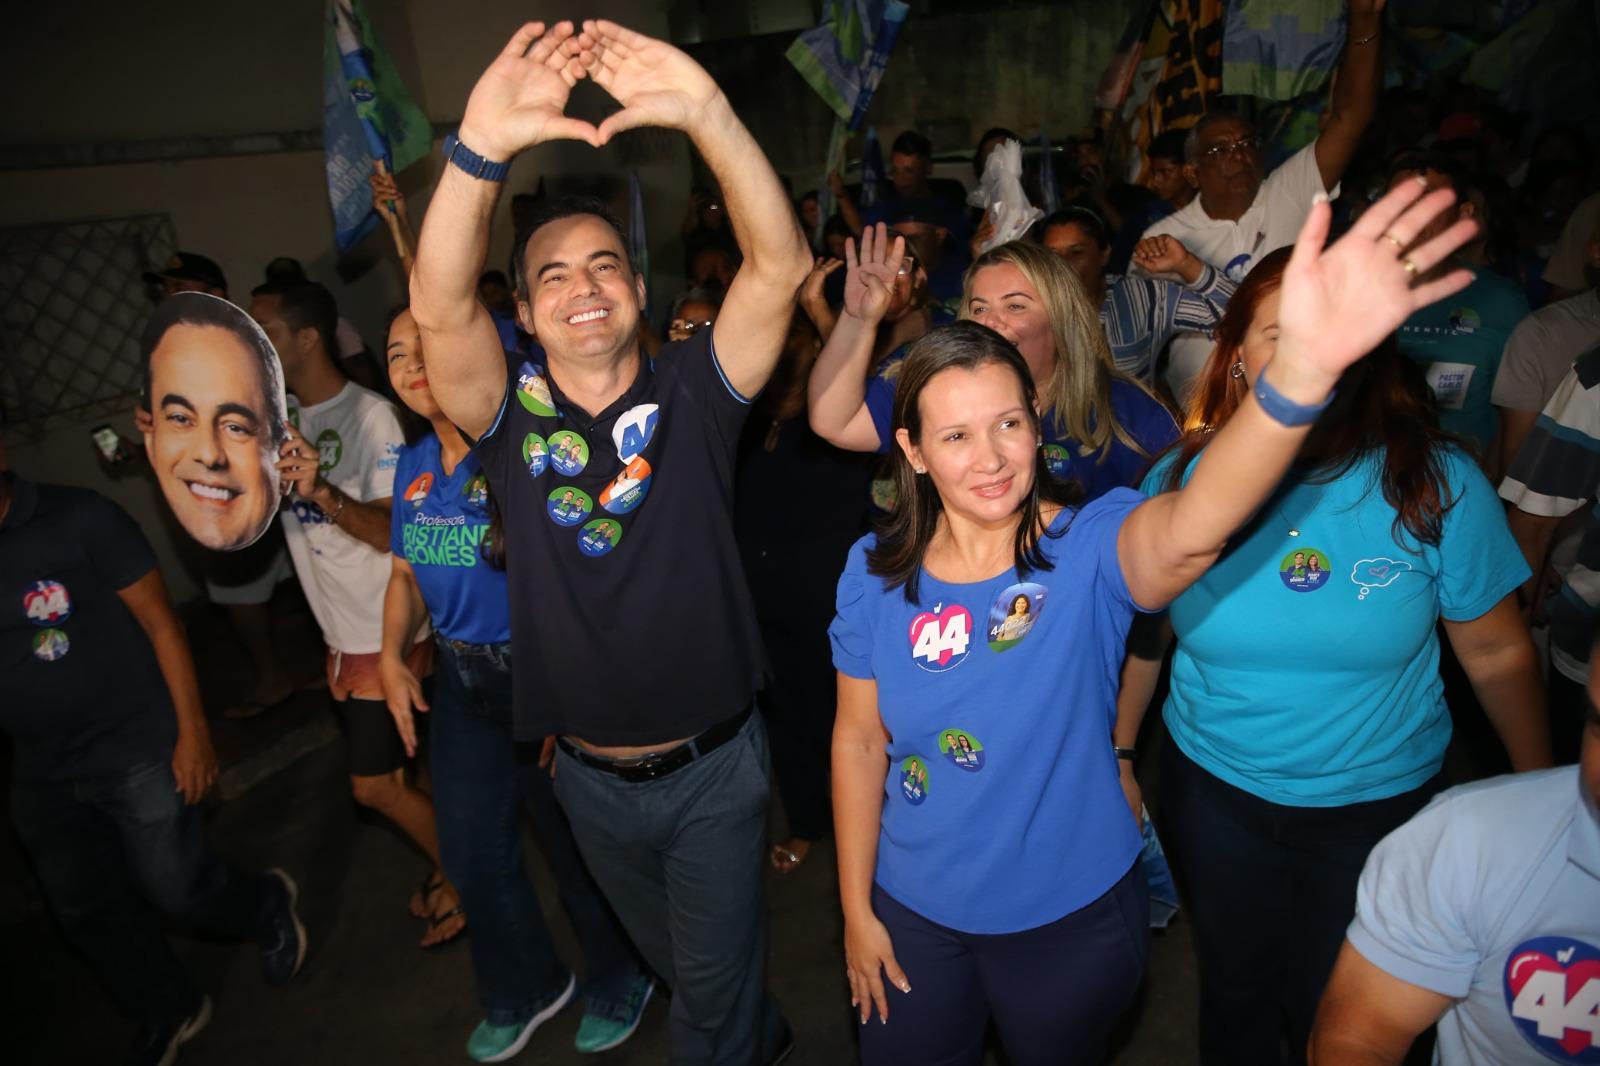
x,y
100,71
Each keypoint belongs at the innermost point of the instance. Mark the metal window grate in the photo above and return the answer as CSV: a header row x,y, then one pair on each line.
x,y
72,305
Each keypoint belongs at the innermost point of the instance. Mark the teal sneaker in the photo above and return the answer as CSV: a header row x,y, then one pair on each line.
x,y
609,1023
497,1043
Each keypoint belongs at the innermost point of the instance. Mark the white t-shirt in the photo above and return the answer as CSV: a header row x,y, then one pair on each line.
x,y
1273,221
344,579
1541,350
1565,268
349,339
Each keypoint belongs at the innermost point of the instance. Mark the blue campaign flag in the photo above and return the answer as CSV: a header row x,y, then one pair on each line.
x,y
367,115
638,238
844,57
871,169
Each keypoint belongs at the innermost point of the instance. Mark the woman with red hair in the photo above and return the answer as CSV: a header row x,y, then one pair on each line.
x,y
1307,716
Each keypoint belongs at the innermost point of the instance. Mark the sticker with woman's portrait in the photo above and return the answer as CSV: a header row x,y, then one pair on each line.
x,y
214,390
962,749
1013,614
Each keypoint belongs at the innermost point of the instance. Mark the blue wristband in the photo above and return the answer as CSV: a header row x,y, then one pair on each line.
x,y
466,159
1285,411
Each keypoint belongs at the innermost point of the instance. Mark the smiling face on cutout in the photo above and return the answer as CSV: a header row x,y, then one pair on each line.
x,y
977,442
583,300
211,441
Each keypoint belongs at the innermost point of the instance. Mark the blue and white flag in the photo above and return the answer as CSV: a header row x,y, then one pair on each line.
x,y
871,169
844,57
366,115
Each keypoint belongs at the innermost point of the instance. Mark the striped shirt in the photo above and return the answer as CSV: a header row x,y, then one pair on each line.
x,y
1141,314
1555,473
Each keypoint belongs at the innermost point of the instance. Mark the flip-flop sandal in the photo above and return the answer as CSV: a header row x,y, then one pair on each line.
x,y
419,899
436,920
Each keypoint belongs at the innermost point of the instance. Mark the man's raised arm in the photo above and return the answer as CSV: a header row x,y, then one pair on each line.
x,y
517,103
1355,91
658,85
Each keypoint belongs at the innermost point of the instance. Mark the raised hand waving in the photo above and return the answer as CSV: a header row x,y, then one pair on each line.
x,y
870,275
521,98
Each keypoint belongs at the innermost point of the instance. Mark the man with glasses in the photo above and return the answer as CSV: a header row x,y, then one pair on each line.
x,y
1242,214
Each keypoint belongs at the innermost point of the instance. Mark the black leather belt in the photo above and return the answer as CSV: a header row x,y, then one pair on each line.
x,y
656,764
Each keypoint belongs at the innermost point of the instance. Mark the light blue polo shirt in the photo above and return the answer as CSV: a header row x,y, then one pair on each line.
x,y
1307,666
1002,806
1491,895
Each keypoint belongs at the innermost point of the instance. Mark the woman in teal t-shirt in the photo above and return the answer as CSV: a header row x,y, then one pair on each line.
x,y
997,876
1306,712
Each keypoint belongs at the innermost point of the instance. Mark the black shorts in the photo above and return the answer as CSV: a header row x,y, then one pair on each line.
x,y
375,745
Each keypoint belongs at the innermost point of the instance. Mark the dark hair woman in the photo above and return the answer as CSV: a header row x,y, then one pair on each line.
x,y
1284,771
1040,922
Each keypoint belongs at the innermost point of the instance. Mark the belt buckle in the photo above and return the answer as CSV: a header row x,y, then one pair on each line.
x,y
638,762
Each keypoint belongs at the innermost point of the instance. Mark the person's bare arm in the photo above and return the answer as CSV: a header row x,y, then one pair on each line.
x,y
1369,1017
390,204
837,390
516,104
1533,533
1148,641
403,612
1514,429
194,763
1498,657
812,300
1336,306
847,207
658,85
860,762
1355,91
299,467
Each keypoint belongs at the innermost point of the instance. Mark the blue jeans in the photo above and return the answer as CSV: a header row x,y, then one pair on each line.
x,y
680,858
483,784
115,854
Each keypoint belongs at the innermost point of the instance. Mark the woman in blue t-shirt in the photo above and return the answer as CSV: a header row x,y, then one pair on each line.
x,y
1039,920
1306,711
448,564
1100,427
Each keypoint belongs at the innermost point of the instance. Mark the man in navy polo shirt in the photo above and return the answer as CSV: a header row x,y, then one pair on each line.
x,y
635,638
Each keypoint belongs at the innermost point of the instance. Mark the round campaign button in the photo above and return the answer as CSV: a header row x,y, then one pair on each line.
x,y
599,536
476,491
1305,570
941,638
1057,460
634,428
1552,990
417,491
914,780
568,505
533,391
569,453
627,490
962,749
46,603
1013,614
50,644
535,454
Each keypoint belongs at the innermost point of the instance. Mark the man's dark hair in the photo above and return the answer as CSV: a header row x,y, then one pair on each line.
x,y
554,210
1089,221
1168,145
1422,160
285,269
306,305
912,143
213,312
493,277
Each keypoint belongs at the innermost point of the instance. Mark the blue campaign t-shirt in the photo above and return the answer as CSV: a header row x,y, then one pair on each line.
x,y
437,524
1002,808
1307,666
1142,415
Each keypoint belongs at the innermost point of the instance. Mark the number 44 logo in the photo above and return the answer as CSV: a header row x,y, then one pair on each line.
x,y
940,638
1552,987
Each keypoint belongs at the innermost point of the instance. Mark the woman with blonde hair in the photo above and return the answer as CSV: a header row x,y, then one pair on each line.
x,y
1100,427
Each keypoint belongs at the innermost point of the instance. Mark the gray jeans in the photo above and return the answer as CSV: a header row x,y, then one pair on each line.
x,y
679,859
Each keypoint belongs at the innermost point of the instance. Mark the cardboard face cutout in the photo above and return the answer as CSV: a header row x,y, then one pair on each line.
x,y
214,389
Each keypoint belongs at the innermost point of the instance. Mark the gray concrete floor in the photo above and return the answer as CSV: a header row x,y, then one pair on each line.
x,y
369,995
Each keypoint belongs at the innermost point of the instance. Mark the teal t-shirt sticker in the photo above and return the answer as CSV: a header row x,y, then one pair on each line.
x,y
330,449
418,490
941,638
634,428
627,490
1305,570
914,781
1057,460
50,644
46,603
962,749
1377,573
533,391
535,454
569,505
476,491
569,453
599,536
1013,614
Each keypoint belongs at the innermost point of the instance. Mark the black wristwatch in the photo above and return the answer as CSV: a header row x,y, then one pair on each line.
x,y
1126,753
473,163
